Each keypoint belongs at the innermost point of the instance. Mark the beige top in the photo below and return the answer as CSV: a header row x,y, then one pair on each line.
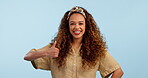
x,y
73,68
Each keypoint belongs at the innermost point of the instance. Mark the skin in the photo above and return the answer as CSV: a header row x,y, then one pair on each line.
x,y
77,29
117,73
52,52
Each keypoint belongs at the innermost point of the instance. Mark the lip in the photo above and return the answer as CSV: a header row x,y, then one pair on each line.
x,y
76,32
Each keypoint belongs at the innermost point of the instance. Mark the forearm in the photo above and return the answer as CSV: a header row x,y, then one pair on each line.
x,y
117,73
34,54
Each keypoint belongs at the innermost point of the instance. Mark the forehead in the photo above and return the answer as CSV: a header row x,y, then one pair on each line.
x,y
76,17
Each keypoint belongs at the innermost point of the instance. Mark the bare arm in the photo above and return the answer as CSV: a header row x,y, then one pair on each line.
x,y
117,73
43,52
34,54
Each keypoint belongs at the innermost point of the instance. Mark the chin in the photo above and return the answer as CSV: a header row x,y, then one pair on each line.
x,y
77,37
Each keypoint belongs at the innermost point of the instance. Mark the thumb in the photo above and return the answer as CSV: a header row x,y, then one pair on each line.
x,y
54,44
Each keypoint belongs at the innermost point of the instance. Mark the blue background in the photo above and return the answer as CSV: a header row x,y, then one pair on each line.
x,y
27,24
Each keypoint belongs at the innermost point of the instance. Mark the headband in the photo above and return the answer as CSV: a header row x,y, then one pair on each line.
x,y
77,10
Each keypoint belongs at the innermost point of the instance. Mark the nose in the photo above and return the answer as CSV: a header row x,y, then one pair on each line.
x,y
77,26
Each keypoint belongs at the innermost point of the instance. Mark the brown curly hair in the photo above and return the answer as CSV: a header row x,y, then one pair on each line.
x,y
93,44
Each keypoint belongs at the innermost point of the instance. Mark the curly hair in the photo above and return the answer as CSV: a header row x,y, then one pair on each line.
x,y
93,44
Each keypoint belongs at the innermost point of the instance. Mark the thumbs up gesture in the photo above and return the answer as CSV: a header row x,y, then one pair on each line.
x,y
53,51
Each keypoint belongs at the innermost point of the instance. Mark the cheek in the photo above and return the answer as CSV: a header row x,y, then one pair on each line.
x,y
84,28
70,28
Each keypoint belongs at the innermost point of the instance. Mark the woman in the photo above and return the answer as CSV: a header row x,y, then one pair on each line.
x,y
78,50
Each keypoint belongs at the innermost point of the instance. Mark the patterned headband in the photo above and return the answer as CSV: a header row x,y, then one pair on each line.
x,y
76,9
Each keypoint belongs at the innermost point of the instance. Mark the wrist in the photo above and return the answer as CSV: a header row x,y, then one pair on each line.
x,y
40,52
43,53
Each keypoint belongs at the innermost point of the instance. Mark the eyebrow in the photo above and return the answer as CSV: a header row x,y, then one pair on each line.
x,y
73,21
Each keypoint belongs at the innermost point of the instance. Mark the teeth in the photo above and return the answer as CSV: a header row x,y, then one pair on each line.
x,y
76,31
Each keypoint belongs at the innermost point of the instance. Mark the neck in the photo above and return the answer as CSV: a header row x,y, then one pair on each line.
x,y
76,42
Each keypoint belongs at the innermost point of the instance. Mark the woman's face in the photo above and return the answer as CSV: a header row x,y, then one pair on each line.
x,y
77,25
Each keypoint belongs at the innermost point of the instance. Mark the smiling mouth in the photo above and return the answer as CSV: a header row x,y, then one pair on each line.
x,y
77,32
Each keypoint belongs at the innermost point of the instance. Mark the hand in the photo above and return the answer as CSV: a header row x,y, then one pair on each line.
x,y
53,51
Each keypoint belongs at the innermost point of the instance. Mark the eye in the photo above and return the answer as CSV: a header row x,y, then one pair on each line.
x,y
72,23
81,23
